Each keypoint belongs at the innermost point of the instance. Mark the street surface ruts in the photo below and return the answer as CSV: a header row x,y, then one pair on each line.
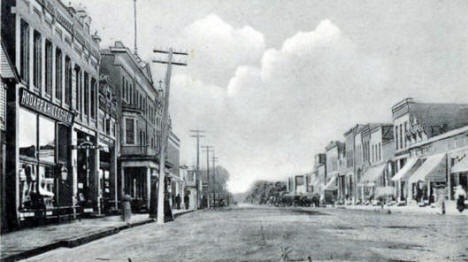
x,y
260,234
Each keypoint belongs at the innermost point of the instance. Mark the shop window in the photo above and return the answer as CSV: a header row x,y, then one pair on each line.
x,y
37,61
46,139
48,67
129,131
58,74
24,52
68,80
27,133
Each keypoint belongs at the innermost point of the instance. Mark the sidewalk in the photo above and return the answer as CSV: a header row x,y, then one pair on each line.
x,y
450,209
33,241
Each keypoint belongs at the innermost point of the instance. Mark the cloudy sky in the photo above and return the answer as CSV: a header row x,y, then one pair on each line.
x,y
273,81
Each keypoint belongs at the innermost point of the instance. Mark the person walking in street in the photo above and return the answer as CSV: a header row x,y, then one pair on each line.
x,y
186,201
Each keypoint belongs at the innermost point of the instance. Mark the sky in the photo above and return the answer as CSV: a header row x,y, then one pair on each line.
x,y
274,81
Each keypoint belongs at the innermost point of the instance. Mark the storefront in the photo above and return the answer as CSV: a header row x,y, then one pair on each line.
x,y
43,141
459,174
427,178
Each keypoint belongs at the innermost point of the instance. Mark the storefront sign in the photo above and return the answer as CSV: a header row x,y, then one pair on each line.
x,y
45,107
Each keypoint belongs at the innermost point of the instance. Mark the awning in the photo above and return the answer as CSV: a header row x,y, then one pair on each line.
x,y
433,169
373,174
331,184
404,172
383,191
460,166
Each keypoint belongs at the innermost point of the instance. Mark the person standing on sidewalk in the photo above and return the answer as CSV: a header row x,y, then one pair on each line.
x,y
460,196
186,201
177,201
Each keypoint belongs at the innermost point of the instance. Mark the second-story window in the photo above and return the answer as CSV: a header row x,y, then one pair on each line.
x,y
129,131
401,136
78,88
86,94
24,52
380,151
68,81
93,98
58,74
396,137
48,67
37,61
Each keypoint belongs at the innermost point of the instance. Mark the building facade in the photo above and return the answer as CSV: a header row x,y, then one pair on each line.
x,y
415,122
376,179
334,151
53,150
8,80
350,177
139,121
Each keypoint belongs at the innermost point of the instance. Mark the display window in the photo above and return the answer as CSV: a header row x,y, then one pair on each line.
x,y
37,141
27,133
46,139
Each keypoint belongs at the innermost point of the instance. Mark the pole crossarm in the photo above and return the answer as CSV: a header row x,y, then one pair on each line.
x,y
165,62
167,52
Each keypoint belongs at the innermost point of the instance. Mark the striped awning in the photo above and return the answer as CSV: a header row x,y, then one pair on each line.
x,y
331,184
433,169
404,172
373,174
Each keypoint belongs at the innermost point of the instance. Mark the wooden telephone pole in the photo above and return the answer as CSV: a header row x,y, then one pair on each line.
x,y
197,134
214,159
165,126
207,150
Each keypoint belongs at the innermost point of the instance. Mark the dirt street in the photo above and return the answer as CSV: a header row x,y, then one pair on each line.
x,y
265,234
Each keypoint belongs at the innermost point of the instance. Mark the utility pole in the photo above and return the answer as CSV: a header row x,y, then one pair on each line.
x,y
214,159
135,16
197,134
207,149
165,127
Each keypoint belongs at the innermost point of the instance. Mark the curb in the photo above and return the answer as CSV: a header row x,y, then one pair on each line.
x,y
81,240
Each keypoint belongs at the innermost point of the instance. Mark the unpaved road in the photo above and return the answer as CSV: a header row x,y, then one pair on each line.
x,y
261,233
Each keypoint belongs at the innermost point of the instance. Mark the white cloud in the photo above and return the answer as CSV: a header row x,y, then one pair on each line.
x,y
217,48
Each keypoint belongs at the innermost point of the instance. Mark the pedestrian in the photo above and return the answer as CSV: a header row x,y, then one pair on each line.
x,y
186,201
177,201
460,196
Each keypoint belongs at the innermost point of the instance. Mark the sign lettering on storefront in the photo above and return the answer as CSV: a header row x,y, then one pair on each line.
x,y
45,107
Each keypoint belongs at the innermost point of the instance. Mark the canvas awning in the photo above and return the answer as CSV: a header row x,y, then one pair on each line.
x,y
373,174
404,172
433,169
331,184
460,166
